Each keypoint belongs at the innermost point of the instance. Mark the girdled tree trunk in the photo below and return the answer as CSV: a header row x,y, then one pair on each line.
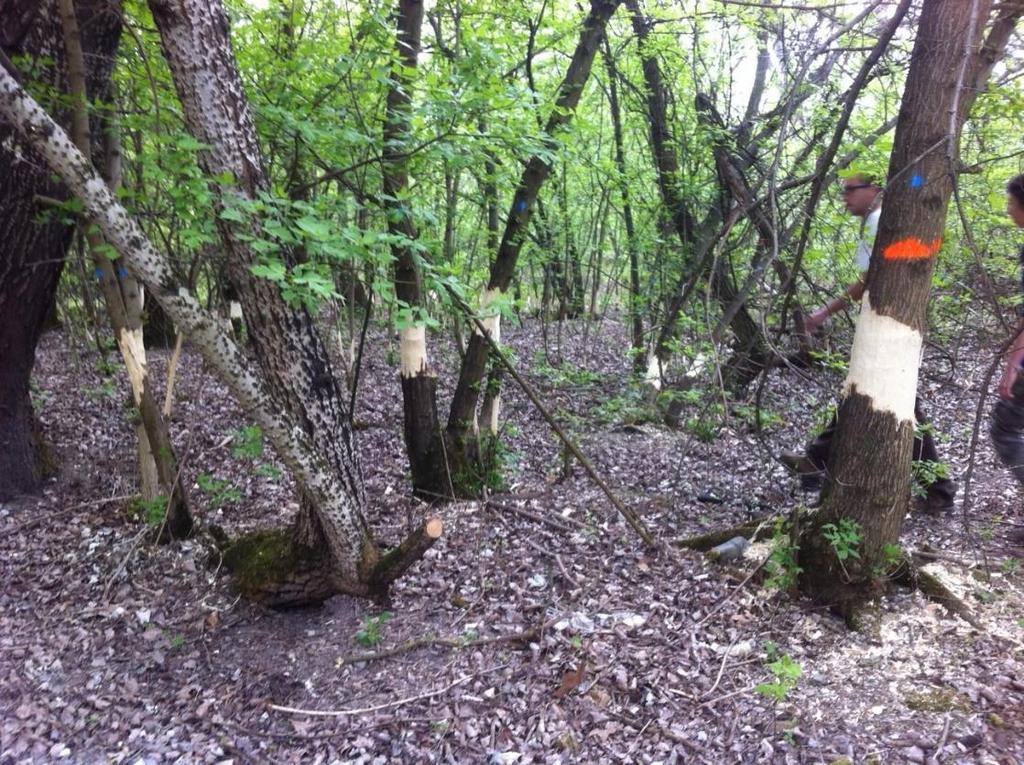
x,y
423,438
159,476
462,433
32,252
869,467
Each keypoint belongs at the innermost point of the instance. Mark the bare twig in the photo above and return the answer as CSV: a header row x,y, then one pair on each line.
x,y
60,513
389,705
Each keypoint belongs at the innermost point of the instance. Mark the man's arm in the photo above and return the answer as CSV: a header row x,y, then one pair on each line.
x,y
1014,358
851,295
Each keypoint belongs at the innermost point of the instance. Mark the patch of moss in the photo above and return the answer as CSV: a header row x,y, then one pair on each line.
x,y
260,560
938,700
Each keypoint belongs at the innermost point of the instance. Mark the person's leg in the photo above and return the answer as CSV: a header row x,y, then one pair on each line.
x,y
818,450
810,465
1007,430
942,491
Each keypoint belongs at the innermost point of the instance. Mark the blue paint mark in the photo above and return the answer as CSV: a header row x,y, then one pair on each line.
x,y
98,273
122,273
521,205
916,181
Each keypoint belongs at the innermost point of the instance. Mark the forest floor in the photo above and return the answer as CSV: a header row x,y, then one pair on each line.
x,y
114,650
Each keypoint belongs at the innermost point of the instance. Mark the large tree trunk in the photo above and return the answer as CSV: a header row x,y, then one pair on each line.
x,y
423,438
463,446
869,467
32,252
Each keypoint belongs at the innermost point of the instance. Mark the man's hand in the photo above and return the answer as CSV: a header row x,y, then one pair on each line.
x,y
1010,374
815,319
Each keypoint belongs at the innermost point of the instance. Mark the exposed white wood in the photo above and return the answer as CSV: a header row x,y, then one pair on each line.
x,y
884,362
413,350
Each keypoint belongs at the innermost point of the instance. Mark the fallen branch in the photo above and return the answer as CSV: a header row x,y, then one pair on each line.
x,y
751,530
378,707
431,642
552,521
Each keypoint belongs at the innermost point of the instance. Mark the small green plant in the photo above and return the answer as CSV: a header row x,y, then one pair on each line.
x,y
831,360
219,490
782,566
703,428
152,511
372,630
844,538
631,408
759,419
1010,566
248,443
927,472
566,374
786,672
105,389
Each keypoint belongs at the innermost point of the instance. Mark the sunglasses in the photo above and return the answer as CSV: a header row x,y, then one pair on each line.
x,y
848,189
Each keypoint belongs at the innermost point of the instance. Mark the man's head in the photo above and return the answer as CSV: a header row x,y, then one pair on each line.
x,y
1015,200
860,194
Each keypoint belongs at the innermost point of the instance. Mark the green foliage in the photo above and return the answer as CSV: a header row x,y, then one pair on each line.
x,y
372,631
782,567
786,672
758,418
632,407
248,442
220,491
925,473
703,428
150,511
565,374
844,538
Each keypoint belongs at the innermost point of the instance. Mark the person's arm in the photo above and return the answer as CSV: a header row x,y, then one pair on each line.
x,y
851,295
1014,357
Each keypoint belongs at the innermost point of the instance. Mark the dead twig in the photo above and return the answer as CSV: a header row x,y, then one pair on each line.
x,y
388,705
431,641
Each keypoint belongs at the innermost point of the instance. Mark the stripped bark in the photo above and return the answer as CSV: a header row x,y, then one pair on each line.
x,y
159,476
461,432
423,439
869,467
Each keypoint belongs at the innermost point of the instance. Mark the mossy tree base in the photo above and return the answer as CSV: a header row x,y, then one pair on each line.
x,y
273,568
474,464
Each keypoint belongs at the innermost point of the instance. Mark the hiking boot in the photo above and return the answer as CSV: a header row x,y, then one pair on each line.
x,y
811,478
933,504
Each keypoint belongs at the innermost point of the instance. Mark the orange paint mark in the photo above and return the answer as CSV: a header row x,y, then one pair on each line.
x,y
911,249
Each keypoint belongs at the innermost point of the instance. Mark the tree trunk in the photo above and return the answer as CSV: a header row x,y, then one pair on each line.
x,y
159,476
870,462
423,440
32,252
636,322
461,432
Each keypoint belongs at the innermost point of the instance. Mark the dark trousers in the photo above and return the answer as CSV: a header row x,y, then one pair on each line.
x,y
1007,429
924,449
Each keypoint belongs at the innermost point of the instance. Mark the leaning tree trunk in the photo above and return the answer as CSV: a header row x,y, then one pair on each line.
x,y
423,438
869,467
159,476
751,351
32,250
462,433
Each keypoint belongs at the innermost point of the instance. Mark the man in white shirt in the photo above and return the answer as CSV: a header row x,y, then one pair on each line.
x,y
863,198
